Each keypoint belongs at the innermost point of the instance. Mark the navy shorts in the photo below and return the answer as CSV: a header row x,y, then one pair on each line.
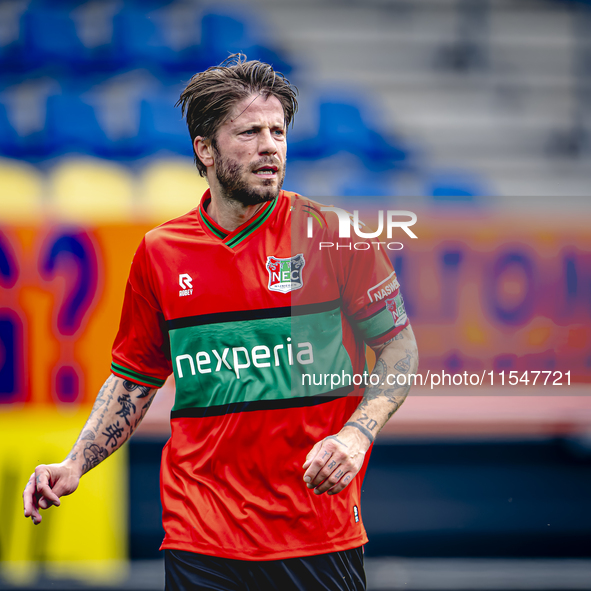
x,y
337,571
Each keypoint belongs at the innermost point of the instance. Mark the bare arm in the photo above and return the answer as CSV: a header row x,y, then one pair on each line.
x,y
118,409
333,462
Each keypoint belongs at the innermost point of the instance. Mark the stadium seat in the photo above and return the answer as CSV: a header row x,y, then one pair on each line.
x,y
78,35
170,188
21,193
162,126
12,38
367,184
223,33
23,107
10,144
342,128
102,118
91,191
455,185
166,35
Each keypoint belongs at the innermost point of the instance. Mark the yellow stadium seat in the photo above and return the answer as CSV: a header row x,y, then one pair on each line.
x,y
21,192
170,188
91,191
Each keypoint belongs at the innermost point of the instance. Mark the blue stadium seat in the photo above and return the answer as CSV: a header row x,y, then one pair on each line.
x,y
455,185
78,36
342,128
162,126
166,36
74,126
10,142
226,33
77,125
368,184
12,39
23,131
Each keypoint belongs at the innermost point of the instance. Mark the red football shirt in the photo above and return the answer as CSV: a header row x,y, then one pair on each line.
x,y
251,322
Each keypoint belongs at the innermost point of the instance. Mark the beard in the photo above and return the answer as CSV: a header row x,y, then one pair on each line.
x,y
232,179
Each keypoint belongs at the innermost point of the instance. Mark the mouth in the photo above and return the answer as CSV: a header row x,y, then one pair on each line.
x,y
267,171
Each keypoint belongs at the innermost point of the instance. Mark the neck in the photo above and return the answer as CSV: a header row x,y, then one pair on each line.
x,y
231,214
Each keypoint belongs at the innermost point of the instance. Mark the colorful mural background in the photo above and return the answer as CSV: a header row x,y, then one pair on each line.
x,y
485,290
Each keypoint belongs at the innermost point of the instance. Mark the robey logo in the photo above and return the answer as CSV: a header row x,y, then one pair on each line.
x,y
186,283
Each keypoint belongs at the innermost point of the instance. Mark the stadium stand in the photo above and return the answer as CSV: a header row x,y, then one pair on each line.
x,y
169,188
342,128
91,191
454,185
21,192
100,78
162,127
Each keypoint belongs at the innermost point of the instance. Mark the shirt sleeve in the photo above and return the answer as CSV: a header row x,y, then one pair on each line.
x,y
141,351
371,294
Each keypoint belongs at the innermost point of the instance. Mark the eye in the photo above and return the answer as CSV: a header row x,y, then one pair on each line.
x,y
279,132
248,132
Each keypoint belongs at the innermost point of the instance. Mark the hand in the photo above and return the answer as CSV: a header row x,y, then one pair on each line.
x,y
45,487
333,462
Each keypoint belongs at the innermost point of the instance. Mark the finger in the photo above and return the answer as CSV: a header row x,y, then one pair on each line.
x,y
46,495
330,481
312,454
341,484
28,496
33,508
318,462
44,503
332,465
35,514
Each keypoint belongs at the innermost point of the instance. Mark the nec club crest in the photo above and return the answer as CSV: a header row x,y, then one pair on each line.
x,y
396,306
285,275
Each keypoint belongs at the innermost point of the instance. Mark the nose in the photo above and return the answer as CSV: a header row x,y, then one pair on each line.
x,y
267,144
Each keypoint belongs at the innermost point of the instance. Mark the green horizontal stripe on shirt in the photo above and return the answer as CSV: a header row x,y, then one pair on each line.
x,y
260,359
378,324
134,375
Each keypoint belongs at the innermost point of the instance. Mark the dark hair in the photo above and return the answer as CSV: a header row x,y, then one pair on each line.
x,y
209,96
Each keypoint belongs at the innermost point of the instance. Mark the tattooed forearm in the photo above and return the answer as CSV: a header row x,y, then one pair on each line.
x,y
106,402
118,410
145,408
142,391
361,428
404,364
127,407
386,392
93,455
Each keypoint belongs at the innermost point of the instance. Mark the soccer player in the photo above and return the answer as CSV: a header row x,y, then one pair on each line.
x,y
264,326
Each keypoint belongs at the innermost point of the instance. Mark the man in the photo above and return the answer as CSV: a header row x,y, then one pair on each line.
x,y
261,477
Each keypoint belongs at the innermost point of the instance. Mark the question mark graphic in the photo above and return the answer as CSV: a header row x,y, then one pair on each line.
x,y
73,255
12,367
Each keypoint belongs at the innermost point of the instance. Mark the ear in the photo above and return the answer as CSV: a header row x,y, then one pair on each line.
x,y
203,150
